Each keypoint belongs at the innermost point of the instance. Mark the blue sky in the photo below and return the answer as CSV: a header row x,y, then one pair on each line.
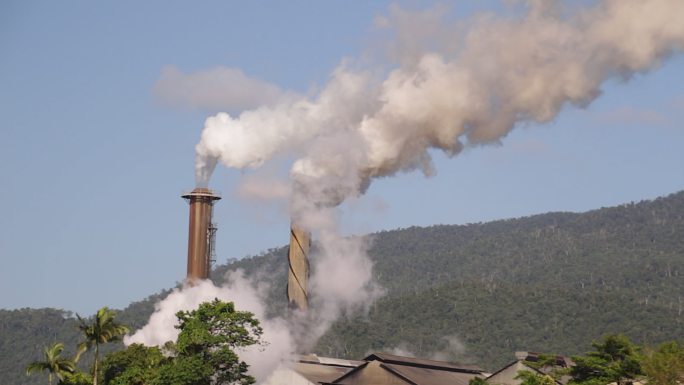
x,y
93,161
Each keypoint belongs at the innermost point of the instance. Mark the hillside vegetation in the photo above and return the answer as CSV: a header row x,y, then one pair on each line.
x,y
552,282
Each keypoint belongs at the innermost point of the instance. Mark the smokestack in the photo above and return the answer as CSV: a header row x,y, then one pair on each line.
x,y
201,234
298,268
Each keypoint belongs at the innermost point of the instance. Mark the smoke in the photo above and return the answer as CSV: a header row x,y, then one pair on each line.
x,y
506,71
284,336
452,349
216,89
260,134
341,281
402,349
247,295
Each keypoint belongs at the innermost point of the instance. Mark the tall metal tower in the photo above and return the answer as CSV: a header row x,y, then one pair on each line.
x,y
201,234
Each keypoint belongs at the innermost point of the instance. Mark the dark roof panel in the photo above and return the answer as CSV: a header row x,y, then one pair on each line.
x,y
440,365
424,376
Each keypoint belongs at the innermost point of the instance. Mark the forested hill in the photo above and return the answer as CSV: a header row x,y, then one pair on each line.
x,y
550,282
478,292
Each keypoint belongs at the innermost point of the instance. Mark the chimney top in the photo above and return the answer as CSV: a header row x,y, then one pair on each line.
x,y
202,192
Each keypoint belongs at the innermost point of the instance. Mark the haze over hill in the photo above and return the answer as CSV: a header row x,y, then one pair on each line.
x,y
470,293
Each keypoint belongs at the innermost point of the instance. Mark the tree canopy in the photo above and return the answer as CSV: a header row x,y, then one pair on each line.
x,y
664,365
527,377
101,330
205,352
53,363
616,359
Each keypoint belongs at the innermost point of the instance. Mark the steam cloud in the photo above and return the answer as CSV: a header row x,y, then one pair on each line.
x,y
449,89
506,71
216,89
247,296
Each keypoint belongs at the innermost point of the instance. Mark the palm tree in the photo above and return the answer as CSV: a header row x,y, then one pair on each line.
x,y
53,364
103,329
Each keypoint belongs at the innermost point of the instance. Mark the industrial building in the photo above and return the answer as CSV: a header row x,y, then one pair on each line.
x,y
389,369
376,369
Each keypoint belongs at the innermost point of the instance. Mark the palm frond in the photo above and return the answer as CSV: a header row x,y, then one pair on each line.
x,y
36,367
80,349
53,364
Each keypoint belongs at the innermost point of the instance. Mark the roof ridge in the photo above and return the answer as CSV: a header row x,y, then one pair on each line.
x,y
425,363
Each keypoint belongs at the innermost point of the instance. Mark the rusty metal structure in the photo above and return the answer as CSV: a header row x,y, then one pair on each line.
x,y
298,268
201,233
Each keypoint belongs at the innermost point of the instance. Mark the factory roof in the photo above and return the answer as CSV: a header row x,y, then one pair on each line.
x,y
323,369
312,358
311,370
317,373
423,376
383,368
411,361
507,375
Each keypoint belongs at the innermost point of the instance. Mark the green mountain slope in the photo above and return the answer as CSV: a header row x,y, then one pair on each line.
x,y
24,333
478,292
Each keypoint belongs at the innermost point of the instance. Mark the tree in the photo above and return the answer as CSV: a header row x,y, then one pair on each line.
x,y
204,352
53,364
664,366
210,335
548,364
531,378
616,359
186,370
478,381
102,330
136,365
76,378
543,361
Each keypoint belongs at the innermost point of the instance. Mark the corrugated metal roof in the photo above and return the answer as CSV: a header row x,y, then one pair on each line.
x,y
378,373
507,374
312,358
370,374
317,373
339,362
440,365
424,376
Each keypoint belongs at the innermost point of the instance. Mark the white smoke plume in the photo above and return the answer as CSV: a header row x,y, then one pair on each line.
x,y
247,296
454,350
216,89
506,71
284,336
341,281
